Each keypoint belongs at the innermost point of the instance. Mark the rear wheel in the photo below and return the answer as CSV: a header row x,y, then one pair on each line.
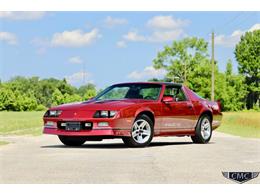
x,y
203,130
72,140
142,132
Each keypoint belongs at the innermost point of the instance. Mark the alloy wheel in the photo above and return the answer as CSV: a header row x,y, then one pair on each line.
x,y
205,128
141,131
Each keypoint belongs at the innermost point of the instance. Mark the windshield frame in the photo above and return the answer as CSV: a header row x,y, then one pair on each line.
x,y
160,86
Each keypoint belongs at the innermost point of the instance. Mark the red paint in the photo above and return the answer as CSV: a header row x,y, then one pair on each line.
x,y
170,117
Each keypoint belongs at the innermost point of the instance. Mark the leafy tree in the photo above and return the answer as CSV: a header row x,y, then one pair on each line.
x,y
57,98
90,94
181,57
247,53
7,99
72,98
230,89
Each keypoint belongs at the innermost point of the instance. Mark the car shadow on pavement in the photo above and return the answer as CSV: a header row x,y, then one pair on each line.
x,y
116,145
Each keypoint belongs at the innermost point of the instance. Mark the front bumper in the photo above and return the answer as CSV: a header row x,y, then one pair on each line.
x,y
93,132
116,127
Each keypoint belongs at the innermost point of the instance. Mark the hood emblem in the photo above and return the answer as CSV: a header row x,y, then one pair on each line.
x,y
75,114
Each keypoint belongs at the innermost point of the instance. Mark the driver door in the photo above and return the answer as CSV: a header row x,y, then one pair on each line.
x,y
178,114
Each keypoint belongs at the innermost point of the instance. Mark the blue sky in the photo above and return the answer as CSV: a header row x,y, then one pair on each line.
x,y
108,47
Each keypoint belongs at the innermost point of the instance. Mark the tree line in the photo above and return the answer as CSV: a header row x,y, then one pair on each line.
x,y
27,94
186,61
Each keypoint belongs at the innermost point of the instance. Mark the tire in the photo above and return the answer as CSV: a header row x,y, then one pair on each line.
x,y
141,133
72,140
203,130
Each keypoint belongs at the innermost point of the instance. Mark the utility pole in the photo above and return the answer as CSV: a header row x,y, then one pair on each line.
x,y
213,67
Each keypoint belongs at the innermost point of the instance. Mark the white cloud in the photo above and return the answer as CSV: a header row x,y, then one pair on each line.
x,y
234,38
75,38
110,21
121,44
22,15
75,60
166,22
156,36
230,40
79,77
254,27
148,72
164,28
8,37
163,36
133,36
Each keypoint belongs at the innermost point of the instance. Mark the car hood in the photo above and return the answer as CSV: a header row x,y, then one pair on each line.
x,y
99,105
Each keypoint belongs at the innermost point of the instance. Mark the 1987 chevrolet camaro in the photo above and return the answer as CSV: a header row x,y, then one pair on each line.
x,y
135,112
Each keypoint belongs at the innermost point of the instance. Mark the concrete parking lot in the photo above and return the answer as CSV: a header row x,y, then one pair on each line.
x,y
44,159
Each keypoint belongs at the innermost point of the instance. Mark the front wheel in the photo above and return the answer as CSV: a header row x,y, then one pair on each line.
x,y
72,140
142,132
203,130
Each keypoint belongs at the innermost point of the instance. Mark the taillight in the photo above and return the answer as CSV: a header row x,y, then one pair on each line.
x,y
219,105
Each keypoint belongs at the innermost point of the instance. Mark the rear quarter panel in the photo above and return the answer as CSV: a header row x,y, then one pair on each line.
x,y
202,105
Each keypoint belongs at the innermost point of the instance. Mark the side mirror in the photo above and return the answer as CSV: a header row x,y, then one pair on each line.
x,y
167,99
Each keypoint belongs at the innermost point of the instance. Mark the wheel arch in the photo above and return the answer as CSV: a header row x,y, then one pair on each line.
x,y
207,112
148,113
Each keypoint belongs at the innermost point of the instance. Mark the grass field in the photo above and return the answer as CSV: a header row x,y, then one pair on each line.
x,y
245,124
3,143
21,123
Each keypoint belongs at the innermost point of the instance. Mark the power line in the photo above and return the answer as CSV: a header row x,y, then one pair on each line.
x,y
228,22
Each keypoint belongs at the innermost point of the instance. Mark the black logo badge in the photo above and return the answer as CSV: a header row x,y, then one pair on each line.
x,y
240,177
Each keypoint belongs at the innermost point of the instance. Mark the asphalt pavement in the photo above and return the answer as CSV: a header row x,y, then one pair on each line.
x,y
43,159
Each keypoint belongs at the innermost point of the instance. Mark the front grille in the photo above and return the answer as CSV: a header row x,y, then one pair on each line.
x,y
74,125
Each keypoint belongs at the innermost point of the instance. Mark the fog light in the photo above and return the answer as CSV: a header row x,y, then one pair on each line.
x,y
87,124
63,124
50,124
103,124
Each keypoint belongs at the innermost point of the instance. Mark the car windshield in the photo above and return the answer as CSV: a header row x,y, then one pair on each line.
x,y
130,91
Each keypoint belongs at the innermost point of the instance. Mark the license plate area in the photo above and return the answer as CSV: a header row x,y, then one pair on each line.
x,y
72,126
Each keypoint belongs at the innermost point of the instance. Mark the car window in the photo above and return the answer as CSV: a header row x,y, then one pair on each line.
x,y
176,93
115,93
131,91
150,93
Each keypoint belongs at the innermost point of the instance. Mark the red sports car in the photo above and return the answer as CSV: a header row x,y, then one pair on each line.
x,y
135,112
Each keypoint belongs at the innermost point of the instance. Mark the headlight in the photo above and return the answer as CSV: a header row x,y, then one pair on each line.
x,y
52,113
105,114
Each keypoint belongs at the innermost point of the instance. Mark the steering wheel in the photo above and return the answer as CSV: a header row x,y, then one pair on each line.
x,y
148,97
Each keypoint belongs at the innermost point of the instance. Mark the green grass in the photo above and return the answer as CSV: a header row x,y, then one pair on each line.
x,y
21,123
244,124
3,143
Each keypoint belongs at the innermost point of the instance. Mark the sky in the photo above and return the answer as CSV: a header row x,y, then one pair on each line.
x,y
109,47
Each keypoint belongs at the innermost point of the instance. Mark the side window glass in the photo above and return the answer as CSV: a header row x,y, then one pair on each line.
x,y
180,96
176,93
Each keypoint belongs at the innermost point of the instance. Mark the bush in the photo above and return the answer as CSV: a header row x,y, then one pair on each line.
x,y
40,108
